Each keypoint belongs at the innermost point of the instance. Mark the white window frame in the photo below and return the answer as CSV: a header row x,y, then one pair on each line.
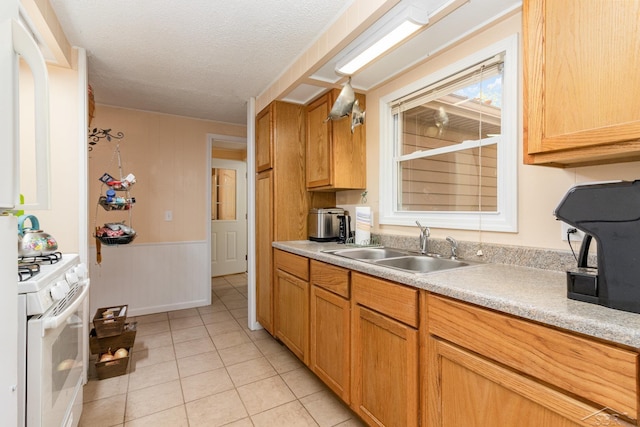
x,y
505,219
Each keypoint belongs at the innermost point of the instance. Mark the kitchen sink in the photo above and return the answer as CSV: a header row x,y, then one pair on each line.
x,y
401,259
369,253
422,263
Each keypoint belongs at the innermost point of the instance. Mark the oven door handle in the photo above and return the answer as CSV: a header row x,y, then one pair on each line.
x,y
55,321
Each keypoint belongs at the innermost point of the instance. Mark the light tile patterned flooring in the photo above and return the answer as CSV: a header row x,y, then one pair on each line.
x,y
204,367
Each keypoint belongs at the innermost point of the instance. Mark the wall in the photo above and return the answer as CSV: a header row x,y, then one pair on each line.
x,y
166,267
168,155
539,188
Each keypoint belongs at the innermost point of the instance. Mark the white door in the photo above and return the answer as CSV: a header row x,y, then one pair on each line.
x,y
228,217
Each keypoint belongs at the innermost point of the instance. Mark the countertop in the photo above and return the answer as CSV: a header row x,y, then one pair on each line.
x,y
530,293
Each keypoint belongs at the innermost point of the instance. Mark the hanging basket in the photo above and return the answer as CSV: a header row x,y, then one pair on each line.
x,y
118,205
119,240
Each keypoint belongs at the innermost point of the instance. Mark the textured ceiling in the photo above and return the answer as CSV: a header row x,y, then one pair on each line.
x,y
195,58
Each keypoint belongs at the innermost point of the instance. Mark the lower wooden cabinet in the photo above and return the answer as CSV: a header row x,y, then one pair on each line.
x,y
466,390
403,357
292,303
385,354
330,323
485,367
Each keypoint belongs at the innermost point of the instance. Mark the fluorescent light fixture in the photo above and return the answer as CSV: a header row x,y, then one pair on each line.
x,y
386,33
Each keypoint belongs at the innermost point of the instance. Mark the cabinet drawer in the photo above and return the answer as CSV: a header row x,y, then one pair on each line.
x,y
292,264
392,299
333,279
596,371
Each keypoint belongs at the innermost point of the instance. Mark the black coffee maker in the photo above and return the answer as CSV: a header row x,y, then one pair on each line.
x,y
608,212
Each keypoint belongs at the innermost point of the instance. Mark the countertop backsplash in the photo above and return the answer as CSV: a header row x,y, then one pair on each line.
x,y
547,259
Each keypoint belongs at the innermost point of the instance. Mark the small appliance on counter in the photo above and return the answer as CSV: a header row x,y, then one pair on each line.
x,y
608,212
323,224
345,227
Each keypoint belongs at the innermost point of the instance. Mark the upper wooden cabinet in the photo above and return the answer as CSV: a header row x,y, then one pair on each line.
x,y
580,82
335,156
264,138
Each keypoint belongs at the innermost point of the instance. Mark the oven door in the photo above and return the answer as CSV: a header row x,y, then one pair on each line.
x,y
55,362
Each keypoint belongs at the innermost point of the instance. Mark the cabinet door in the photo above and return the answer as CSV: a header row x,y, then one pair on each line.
x,y
264,139
581,62
319,152
349,151
330,337
292,313
336,157
385,370
264,251
465,390
596,371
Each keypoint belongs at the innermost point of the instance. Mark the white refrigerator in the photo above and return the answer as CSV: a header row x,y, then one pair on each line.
x,y
16,42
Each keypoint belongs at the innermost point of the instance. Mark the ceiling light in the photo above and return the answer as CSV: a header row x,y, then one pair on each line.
x,y
396,26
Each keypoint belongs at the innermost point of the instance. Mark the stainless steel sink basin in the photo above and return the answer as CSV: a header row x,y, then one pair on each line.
x,y
422,264
370,253
401,259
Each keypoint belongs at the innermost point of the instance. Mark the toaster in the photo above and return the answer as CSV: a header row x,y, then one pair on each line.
x,y
323,224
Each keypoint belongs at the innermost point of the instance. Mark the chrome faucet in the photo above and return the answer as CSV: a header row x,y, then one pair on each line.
x,y
454,247
424,238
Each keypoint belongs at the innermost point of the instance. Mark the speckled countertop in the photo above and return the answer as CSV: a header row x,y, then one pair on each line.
x,y
530,293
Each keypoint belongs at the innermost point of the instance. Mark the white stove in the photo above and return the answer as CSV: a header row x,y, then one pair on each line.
x,y
52,282
52,334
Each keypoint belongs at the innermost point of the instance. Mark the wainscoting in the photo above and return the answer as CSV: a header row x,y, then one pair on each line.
x,y
151,278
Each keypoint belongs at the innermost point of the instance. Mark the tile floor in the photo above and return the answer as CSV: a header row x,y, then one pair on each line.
x,y
204,367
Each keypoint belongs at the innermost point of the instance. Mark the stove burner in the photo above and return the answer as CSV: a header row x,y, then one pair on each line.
x,y
27,271
40,259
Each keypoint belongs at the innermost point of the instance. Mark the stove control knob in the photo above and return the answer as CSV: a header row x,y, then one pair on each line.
x,y
71,277
81,271
64,286
57,292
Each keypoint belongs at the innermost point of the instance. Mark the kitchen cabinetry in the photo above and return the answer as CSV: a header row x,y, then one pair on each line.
x,y
292,302
335,156
487,368
264,251
282,200
385,352
330,324
264,139
580,68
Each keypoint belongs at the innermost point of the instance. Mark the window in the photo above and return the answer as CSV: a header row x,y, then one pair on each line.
x,y
449,143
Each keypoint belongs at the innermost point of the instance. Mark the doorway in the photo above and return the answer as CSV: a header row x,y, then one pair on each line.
x,y
228,224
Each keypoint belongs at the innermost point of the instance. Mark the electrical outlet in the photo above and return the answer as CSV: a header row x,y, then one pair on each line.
x,y
575,237
168,215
